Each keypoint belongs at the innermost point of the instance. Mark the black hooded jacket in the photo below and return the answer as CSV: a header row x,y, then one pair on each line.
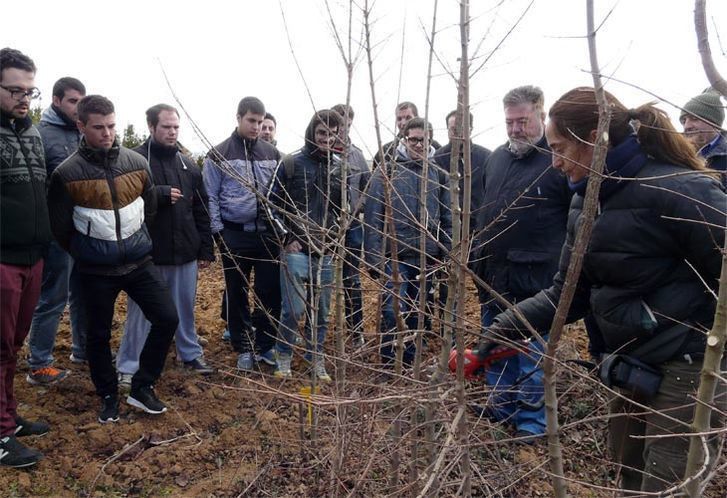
x,y
180,232
310,199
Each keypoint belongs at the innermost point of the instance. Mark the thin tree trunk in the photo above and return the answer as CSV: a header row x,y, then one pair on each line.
x,y
423,294
390,235
460,237
590,205
696,458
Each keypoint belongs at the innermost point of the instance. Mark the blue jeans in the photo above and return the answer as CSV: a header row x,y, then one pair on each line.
x,y
182,282
408,307
58,278
300,290
517,385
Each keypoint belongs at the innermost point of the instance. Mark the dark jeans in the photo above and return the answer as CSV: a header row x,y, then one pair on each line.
x,y
243,252
19,291
352,278
408,307
146,287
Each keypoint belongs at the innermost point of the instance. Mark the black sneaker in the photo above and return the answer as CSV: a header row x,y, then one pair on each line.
x,y
198,365
13,453
27,428
109,409
145,399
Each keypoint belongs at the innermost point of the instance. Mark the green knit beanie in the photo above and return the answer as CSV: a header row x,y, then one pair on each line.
x,y
706,106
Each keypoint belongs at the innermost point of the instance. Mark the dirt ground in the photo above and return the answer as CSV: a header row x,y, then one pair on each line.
x,y
232,435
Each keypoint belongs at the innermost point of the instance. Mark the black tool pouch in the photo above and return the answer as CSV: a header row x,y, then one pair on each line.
x,y
630,374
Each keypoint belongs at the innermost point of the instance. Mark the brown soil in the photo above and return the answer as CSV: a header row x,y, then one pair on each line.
x,y
231,435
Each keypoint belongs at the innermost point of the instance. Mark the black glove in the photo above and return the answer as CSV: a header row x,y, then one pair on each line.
x,y
487,344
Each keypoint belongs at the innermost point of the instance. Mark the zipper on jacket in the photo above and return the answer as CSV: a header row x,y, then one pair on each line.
x,y
115,204
255,192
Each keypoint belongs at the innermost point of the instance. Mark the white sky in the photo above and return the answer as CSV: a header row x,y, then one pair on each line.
x,y
216,52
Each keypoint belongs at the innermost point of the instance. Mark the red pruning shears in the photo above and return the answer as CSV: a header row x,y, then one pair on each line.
x,y
476,366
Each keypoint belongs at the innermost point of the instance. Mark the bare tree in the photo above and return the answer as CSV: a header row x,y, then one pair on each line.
x,y
698,456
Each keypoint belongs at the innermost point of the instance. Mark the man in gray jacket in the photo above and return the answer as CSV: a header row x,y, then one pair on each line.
x,y
404,177
60,137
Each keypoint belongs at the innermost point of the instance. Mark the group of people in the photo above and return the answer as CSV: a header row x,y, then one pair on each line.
x,y
84,218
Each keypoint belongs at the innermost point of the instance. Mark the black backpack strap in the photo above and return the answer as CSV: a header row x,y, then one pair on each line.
x,y
289,166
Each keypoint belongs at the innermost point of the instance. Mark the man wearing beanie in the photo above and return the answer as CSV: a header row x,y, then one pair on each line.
x,y
702,118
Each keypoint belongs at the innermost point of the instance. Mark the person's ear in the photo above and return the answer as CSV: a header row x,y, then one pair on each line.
x,y
592,136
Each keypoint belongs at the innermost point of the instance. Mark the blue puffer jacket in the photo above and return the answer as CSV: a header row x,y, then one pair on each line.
x,y
60,137
405,175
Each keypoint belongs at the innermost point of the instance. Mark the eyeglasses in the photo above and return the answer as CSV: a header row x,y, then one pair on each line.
x,y
415,140
19,93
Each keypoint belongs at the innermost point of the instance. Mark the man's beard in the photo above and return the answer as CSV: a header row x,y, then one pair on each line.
x,y
522,146
519,147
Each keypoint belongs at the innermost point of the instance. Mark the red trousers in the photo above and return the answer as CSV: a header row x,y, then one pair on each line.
x,y
19,293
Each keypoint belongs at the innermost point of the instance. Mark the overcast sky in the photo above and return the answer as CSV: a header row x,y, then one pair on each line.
x,y
216,52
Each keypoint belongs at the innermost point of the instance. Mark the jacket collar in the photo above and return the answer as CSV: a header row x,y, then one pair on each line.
x,y
100,157
160,150
245,142
623,161
18,125
53,115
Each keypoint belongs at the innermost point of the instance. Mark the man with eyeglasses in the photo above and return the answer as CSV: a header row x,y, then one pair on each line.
x,y
24,238
405,175
309,198
404,112
60,286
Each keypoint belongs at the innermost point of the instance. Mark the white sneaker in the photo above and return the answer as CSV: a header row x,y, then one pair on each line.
x,y
78,361
320,369
282,369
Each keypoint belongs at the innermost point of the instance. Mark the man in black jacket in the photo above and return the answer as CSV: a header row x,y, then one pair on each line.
x,y
60,136
99,200
523,224
24,238
181,238
309,199
478,158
